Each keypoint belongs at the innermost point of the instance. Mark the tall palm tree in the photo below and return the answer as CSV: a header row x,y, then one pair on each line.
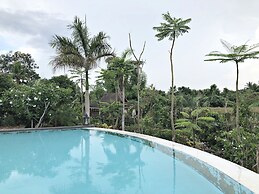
x,y
80,51
172,28
236,54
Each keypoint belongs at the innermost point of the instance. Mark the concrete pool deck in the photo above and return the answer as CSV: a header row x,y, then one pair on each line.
x,y
216,169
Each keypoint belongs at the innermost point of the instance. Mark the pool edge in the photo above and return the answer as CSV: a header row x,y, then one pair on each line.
x,y
244,176
241,175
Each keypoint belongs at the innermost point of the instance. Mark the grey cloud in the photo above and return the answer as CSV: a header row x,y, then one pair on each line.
x,y
39,26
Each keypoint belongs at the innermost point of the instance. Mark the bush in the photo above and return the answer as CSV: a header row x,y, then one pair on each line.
x,y
161,133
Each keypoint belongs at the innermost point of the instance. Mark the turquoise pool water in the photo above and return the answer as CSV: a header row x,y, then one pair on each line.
x,y
91,162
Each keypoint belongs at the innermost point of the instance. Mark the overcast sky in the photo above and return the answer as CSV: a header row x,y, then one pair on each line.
x,y
29,25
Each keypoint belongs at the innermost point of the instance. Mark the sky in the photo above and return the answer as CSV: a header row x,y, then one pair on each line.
x,y
29,26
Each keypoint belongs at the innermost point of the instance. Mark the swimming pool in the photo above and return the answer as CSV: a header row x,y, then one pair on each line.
x,y
85,161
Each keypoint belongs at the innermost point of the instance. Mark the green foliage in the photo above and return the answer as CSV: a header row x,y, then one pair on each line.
x,y
184,136
161,133
183,123
244,152
155,106
212,97
97,92
185,115
104,125
195,123
25,103
110,113
63,82
6,82
20,66
172,27
64,115
117,68
207,119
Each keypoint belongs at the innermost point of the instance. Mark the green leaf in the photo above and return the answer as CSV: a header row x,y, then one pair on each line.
x,y
208,119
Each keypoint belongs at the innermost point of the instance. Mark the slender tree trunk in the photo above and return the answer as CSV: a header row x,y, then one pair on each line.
x,y
237,104
226,105
138,60
138,108
116,92
257,158
193,137
32,125
116,100
43,114
116,123
123,105
87,99
193,131
172,98
82,97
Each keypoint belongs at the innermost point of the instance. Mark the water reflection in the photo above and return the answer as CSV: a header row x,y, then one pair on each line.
x,y
45,162
83,162
123,165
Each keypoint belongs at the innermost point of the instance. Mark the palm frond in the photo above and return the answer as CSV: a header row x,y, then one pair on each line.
x,y
80,35
252,47
67,53
81,50
235,53
227,46
126,53
99,47
172,27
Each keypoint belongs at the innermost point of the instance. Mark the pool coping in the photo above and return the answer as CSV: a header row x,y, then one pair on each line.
x,y
244,176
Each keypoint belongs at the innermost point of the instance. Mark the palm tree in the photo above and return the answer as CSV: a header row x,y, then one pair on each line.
x,y
121,67
80,51
252,86
172,28
236,54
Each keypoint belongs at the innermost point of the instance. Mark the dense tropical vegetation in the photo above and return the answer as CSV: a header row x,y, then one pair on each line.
x,y
121,99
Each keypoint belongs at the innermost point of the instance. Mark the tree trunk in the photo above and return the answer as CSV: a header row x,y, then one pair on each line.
x,y
172,98
82,98
193,137
87,99
257,158
226,105
123,105
138,84
237,104
116,100
116,123
32,125
43,114
138,108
